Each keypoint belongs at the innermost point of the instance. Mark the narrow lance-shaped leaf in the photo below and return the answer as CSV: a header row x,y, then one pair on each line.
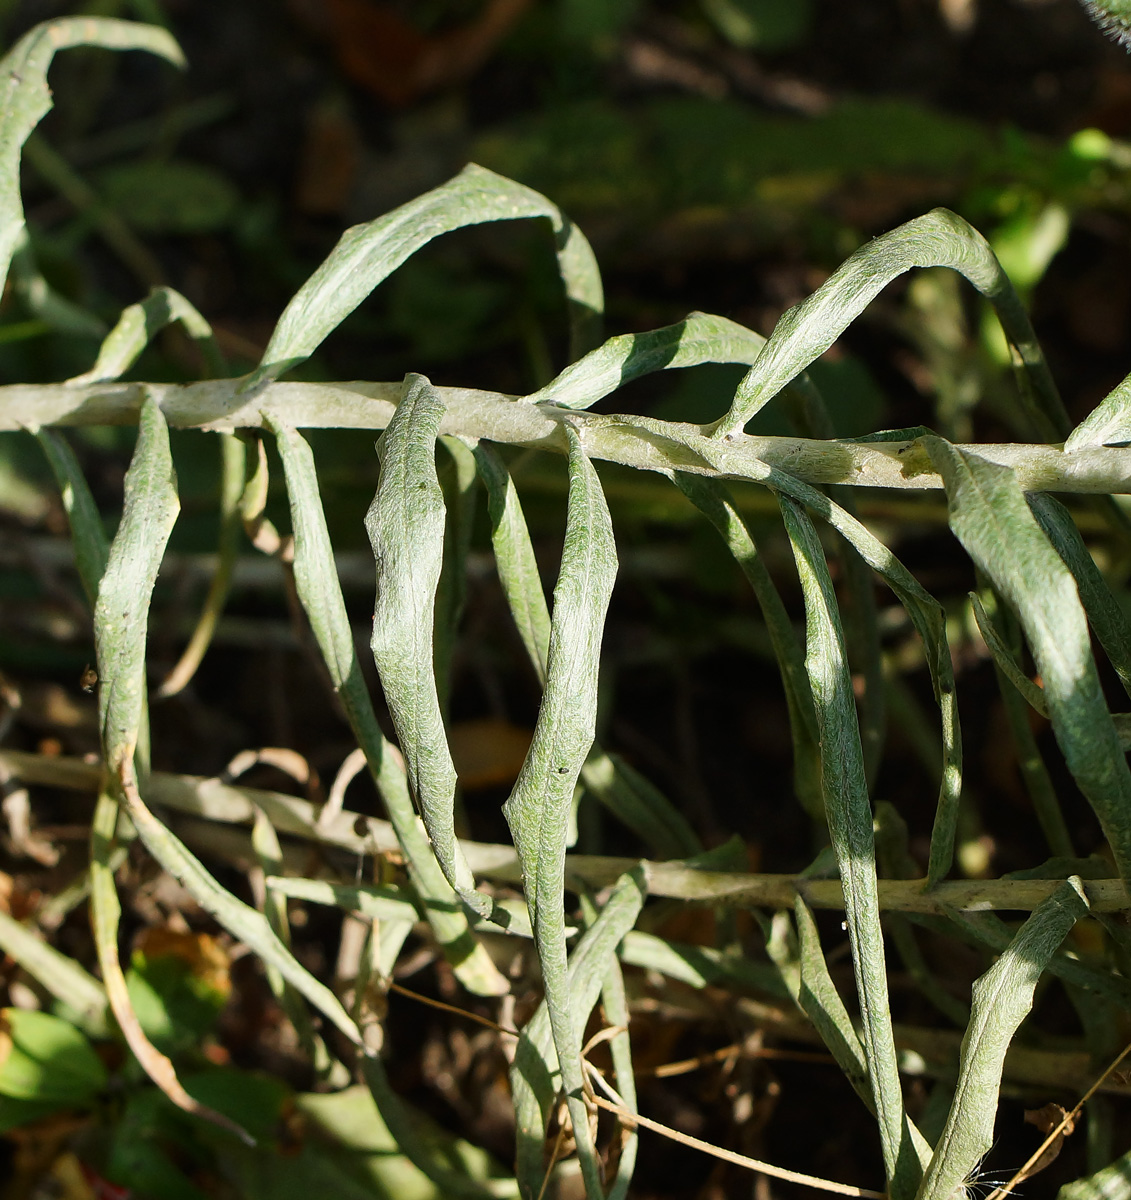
x,y
406,527
1002,999
25,97
535,1080
716,504
1105,615
87,534
1108,424
452,588
1004,660
849,814
316,580
630,797
698,338
138,325
367,254
538,809
939,239
992,520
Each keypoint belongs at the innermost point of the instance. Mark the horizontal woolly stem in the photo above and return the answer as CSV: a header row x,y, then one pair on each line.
x,y
218,801
640,442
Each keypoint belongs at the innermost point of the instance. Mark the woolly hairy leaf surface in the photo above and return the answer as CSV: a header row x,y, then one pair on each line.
x,y
624,791
939,239
849,814
991,518
698,338
406,528
1108,424
367,254
1002,999
316,580
25,97
538,808
535,1073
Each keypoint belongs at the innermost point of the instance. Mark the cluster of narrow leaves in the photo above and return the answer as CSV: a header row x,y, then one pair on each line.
x,y
1027,550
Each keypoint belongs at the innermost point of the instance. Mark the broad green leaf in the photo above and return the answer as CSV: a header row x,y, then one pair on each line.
x,y
716,504
698,338
316,580
406,524
138,325
849,814
536,1076
367,254
1002,1000
1105,615
25,97
1108,424
46,1058
87,534
624,792
538,808
939,239
990,517
1004,660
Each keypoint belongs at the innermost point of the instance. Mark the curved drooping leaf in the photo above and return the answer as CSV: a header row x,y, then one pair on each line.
x,y
1005,661
990,517
698,338
25,97
849,814
316,580
367,254
538,808
406,524
939,239
138,325
1002,999
536,1076
629,796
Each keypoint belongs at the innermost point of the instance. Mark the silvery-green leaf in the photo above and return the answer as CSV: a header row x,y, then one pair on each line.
x,y
320,592
1002,999
462,491
1005,661
849,814
406,524
1108,424
1111,1183
698,338
939,239
138,325
25,97
87,534
536,1079
367,254
990,517
1104,612
538,808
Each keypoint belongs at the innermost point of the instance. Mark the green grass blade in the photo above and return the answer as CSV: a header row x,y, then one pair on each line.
x,y
538,808
1003,658
630,797
717,505
849,814
1105,615
929,619
698,338
939,239
406,525
25,97
320,592
87,533
138,325
535,1074
990,517
367,254
1002,999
